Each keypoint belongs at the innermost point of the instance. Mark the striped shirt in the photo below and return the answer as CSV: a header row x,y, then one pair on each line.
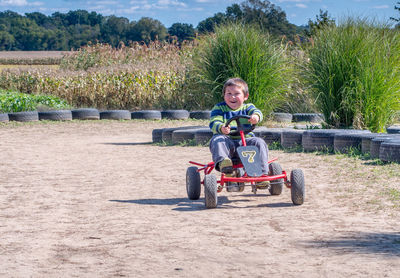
x,y
221,113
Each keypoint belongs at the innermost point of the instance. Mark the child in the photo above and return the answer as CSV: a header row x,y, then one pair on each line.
x,y
223,145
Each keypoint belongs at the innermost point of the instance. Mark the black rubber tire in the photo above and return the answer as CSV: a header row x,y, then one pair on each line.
x,y
56,115
115,115
175,114
297,190
85,114
271,135
390,151
393,130
308,117
203,136
291,138
343,142
193,183
210,191
4,117
27,116
377,142
282,117
182,135
157,135
319,139
366,141
167,132
276,185
200,115
146,115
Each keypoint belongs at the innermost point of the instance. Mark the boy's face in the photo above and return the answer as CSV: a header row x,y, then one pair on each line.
x,y
234,97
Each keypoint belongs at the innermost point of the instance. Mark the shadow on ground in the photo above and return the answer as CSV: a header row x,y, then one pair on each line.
x,y
385,244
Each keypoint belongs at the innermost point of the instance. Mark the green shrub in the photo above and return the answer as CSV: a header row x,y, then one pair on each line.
x,y
237,50
18,102
354,71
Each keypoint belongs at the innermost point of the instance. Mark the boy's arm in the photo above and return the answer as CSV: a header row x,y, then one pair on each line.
x,y
216,120
252,110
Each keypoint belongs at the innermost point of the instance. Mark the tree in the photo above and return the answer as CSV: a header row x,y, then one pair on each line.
x,y
113,30
146,30
322,20
397,19
182,31
207,25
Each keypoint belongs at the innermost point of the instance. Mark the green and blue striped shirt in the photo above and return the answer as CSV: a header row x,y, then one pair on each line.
x,y
221,113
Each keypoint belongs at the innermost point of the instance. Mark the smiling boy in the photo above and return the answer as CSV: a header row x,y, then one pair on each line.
x,y
222,144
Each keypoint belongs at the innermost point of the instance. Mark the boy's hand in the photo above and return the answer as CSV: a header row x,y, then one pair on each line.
x,y
254,119
226,130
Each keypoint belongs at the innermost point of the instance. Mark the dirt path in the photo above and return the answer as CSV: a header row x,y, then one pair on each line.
x,y
95,199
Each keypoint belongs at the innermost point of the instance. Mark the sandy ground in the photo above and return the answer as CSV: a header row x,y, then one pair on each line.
x,y
97,199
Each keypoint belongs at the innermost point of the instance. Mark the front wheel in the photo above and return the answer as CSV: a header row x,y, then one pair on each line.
x,y
210,191
298,186
276,185
193,184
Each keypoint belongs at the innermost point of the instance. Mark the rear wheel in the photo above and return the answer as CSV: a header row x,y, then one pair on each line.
x,y
210,191
193,184
298,186
276,185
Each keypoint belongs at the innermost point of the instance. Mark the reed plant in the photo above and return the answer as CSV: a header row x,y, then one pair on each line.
x,y
237,50
354,72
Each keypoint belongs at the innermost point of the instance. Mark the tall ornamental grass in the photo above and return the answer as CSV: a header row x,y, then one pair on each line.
x,y
237,50
354,72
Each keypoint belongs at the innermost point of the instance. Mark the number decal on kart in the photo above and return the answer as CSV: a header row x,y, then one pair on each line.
x,y
250,155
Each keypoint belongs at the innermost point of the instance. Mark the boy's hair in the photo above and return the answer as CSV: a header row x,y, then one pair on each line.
x,y
236,82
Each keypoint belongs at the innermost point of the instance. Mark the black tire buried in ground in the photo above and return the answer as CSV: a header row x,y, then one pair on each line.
x,y
297,190
393,130
85,114
175,114
27,116
56,115
390,151
193,183
308,117
4,117
282,117
271,135
146,115
344,142
291,138
115,115
203,136
157,135
210,191
276,185
181,136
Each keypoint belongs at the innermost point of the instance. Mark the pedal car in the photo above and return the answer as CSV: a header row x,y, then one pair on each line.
x,y
247,172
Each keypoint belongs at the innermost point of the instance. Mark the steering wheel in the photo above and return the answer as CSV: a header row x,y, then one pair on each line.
x,y
240,126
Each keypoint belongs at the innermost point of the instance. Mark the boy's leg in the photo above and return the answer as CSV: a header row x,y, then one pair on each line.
x,y
221,147
263,148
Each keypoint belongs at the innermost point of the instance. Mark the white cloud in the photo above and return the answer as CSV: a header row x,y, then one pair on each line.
x,y
381,7
19,3
303,6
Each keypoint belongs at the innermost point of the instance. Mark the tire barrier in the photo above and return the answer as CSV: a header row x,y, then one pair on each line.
x,y
4,118
271,135
115,115
203,136
319,139
389,151
146,115
311,126
366,141
85,114
183,135
291,138
157,135
282,117
308,117
175,114
167,132
343,142
393,130
27,116
377,142
200,115
56,115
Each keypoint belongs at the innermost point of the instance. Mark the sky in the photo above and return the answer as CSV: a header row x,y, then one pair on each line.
x,y
193,11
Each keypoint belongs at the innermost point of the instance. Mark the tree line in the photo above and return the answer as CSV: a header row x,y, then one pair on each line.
x,y
66,31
